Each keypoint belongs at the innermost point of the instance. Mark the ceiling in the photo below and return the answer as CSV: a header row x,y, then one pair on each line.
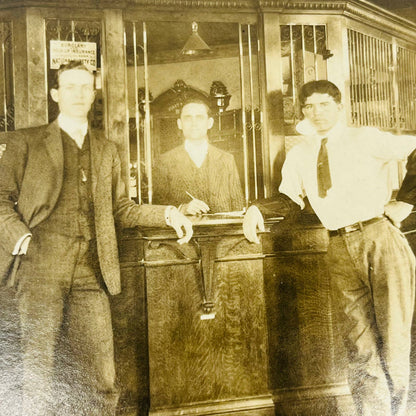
x,y
395,4
404,8
165,40
164,36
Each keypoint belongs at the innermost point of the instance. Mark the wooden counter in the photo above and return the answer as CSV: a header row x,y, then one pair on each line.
x,y
206,337
172,362
307,357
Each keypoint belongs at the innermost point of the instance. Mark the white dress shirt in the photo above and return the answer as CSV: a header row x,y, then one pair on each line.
x,y
359,160
197,151
77,131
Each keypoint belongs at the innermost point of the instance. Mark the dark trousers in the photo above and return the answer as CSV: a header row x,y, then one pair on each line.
x,y
67,339
373,274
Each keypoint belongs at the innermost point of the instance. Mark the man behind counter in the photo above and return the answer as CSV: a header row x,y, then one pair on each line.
x,y
197,176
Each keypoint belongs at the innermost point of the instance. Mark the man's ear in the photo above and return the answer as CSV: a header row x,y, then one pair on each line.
x,y
179,123
54,94
210,122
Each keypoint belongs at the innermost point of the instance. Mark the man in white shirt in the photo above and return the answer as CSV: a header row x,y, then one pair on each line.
x,y
197,176
61,194
344,173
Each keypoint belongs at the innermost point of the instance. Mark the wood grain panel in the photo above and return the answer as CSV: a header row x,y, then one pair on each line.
x,y
214,360
306,354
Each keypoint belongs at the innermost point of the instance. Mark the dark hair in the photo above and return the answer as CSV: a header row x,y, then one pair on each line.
x,y
67,67
320,87
196,100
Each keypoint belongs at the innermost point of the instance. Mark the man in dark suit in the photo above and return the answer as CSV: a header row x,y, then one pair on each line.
x,y
197,169
61,194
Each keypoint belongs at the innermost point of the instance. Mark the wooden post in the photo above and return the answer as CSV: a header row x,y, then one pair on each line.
x,y
31,95
114,75
274,139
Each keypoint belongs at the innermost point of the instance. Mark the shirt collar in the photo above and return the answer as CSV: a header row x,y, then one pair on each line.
x,y
197,151
76,130
305,128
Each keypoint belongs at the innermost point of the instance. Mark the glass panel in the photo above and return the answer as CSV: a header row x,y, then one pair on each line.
x,y
76,31
226,77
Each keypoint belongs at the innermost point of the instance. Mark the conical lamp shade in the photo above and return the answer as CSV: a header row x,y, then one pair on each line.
x,y
195,45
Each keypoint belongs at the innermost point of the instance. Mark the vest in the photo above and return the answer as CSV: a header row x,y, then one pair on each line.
x,y
73,214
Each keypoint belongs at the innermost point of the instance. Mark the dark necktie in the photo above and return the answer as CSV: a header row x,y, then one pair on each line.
x,y
324,175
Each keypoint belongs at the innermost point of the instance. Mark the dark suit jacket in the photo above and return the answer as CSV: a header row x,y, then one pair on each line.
x,y
31,174
407,192
216,182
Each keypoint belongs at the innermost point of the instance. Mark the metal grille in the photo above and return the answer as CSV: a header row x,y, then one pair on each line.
x,y
251,116
371,63
139,122
304,54
6,78
149,45
406,80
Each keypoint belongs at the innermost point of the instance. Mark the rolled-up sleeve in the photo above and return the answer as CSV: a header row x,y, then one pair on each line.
x,y
292,184
388,146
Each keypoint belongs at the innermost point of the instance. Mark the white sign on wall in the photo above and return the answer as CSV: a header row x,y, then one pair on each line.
x,y
62,51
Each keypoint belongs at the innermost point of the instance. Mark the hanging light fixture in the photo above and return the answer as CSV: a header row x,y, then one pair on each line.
x,y
195,44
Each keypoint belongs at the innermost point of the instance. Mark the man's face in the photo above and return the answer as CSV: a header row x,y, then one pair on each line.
x,y
194,121
75,93
322,111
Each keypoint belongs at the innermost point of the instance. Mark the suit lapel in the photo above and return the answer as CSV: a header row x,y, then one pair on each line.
x,y
55,150
49,172
189,169
96,155
53,143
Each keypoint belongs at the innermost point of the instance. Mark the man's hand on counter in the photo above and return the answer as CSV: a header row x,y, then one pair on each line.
x,y
179,223
253,220
195,207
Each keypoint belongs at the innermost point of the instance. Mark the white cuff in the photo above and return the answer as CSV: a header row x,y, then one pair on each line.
x,y
19,243
168,211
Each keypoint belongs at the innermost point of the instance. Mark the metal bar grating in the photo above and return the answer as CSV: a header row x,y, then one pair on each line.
x,y
406,80
382,83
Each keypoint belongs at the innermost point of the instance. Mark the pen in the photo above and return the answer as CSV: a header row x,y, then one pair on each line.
x,y
187,193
